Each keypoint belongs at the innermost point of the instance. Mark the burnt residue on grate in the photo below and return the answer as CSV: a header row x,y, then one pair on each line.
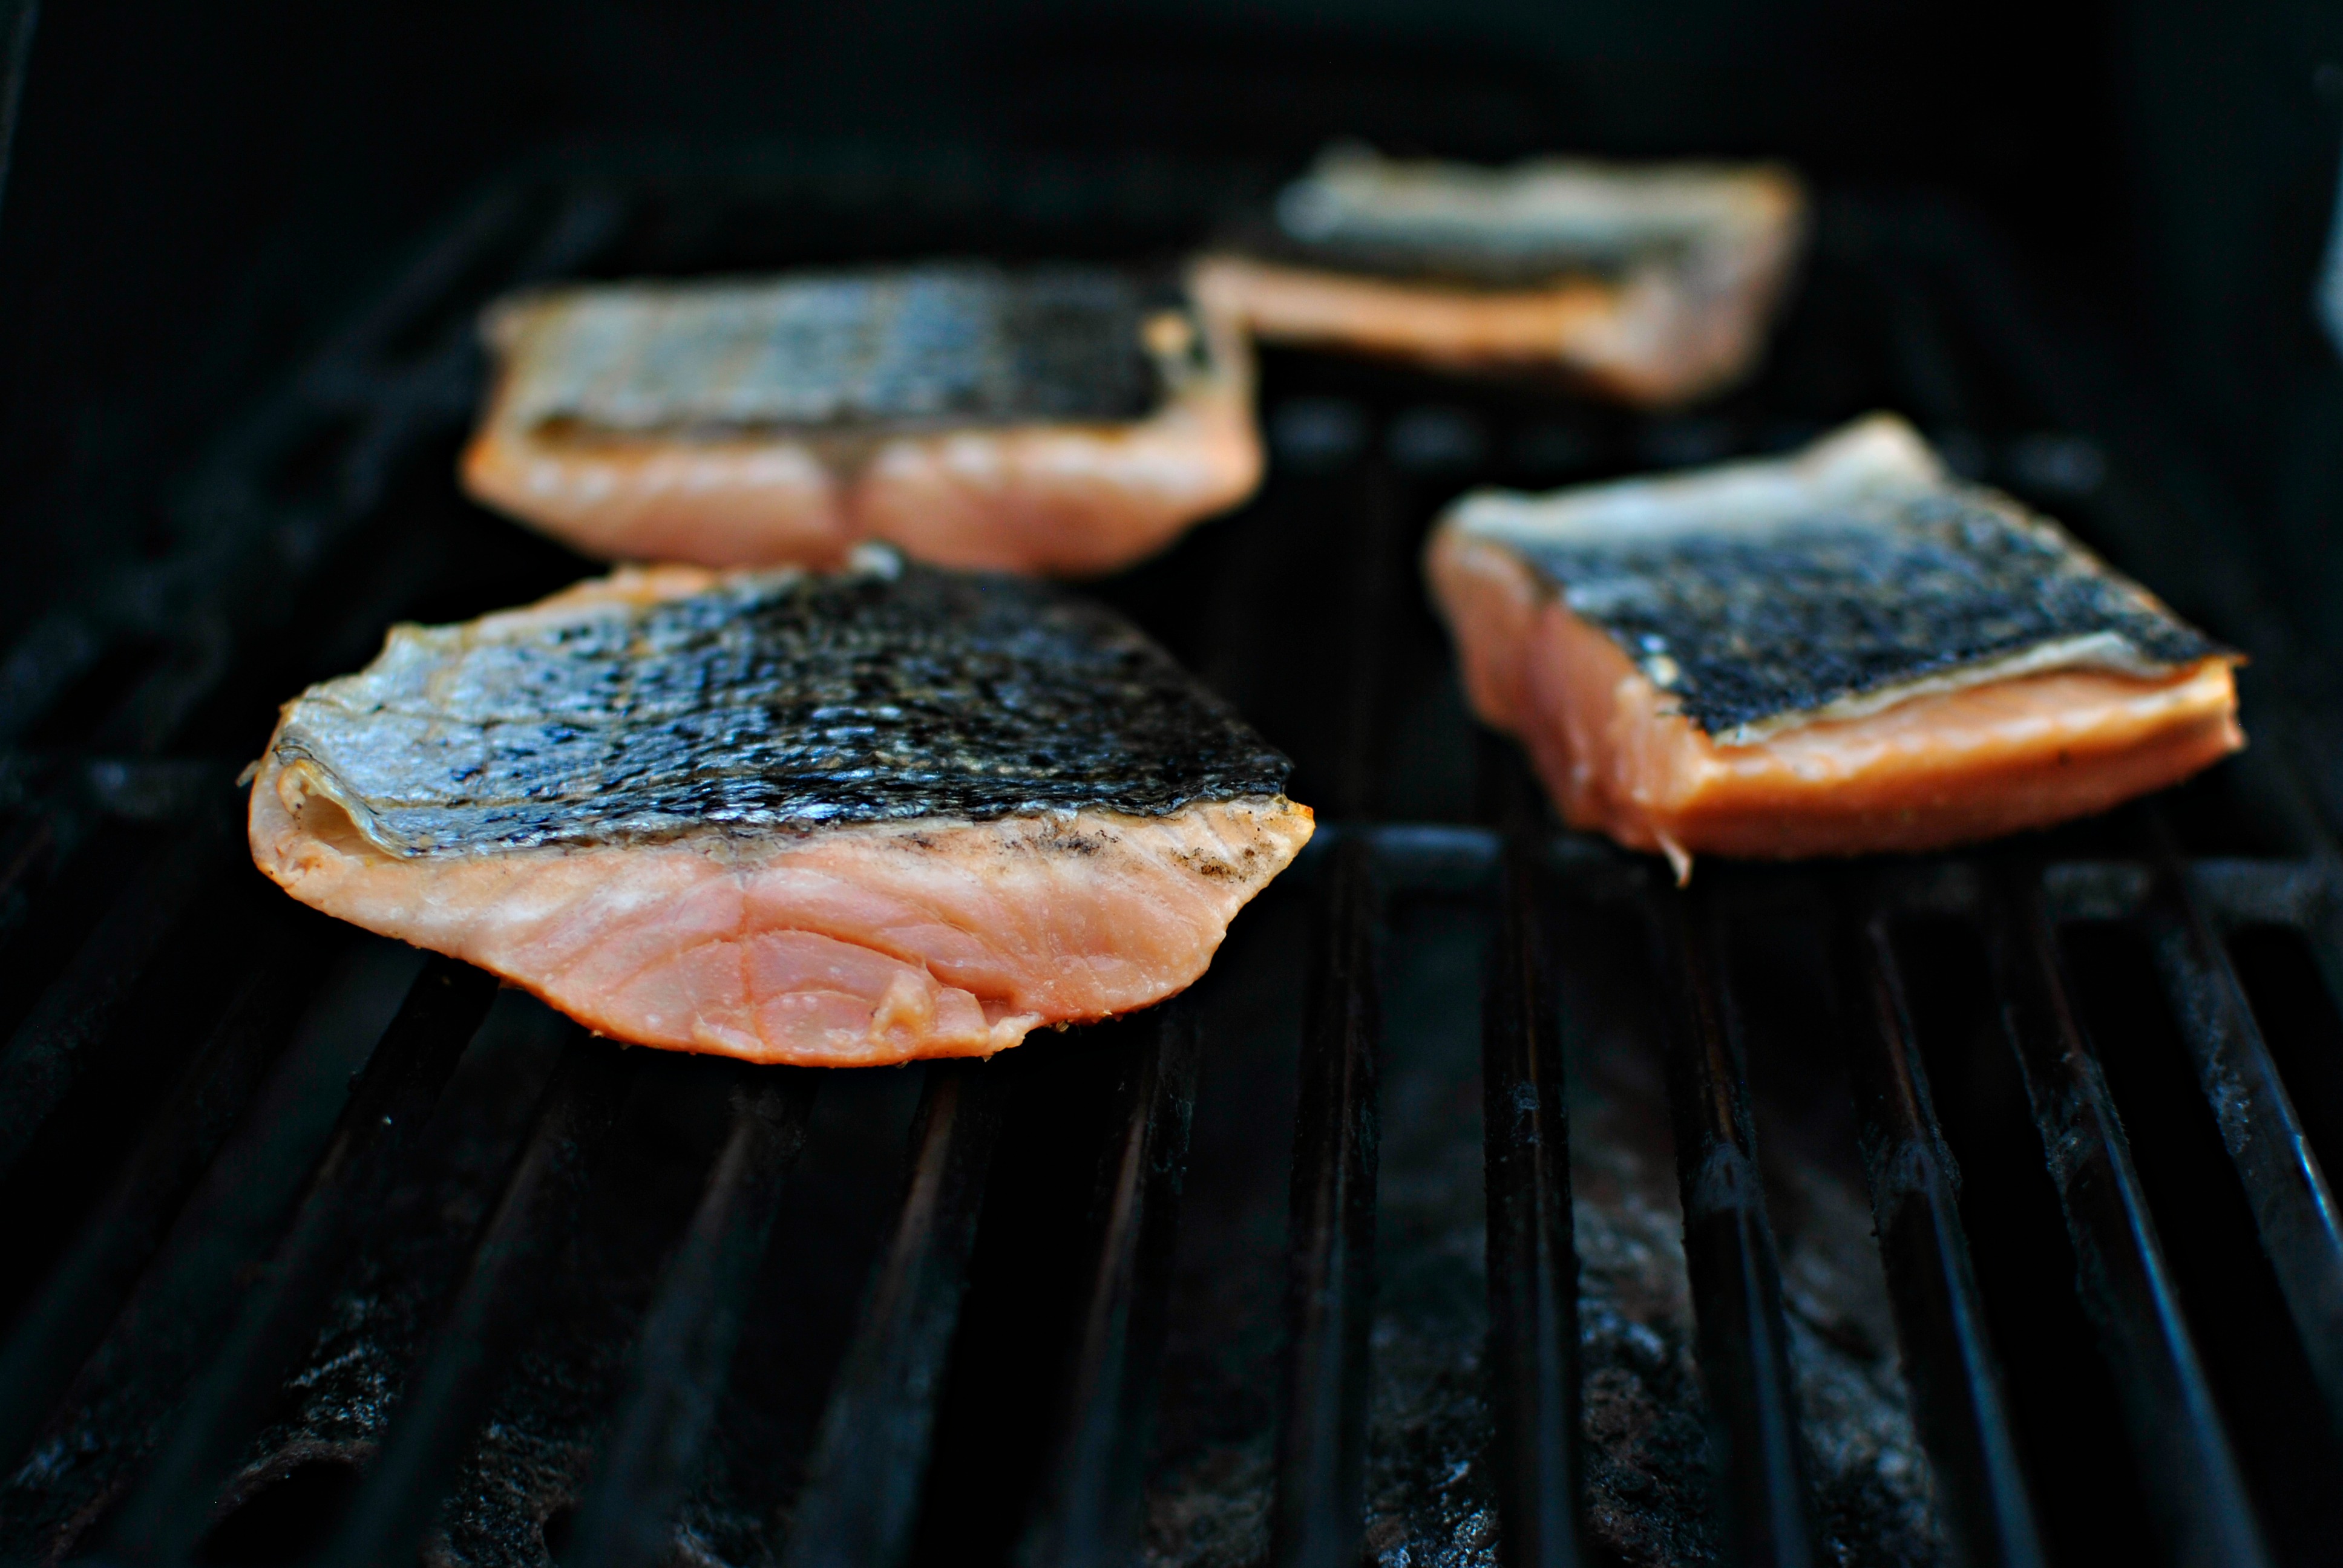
x,y
539,1441
1874,1489
1650,1496
84,1463
1430,1497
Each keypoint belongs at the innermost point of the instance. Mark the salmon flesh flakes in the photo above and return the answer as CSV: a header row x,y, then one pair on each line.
x,y
772,702
910,348
1744,626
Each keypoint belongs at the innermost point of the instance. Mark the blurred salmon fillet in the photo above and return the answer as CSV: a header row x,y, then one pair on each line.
x,y
1060,420
1652,284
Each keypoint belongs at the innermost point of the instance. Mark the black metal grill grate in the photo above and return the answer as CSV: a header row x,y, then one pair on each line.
x,y
513,1294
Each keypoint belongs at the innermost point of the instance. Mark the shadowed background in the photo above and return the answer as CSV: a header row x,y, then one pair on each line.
x,y
198,191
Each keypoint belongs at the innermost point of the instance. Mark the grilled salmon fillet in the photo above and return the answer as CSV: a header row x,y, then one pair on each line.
x,y
1058,420
1834,653
1653,284
837,818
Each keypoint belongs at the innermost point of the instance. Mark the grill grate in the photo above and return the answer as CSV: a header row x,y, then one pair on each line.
x,y
1736,1284
582,1304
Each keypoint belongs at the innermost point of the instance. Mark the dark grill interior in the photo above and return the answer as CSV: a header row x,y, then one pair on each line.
x,y
1485,1172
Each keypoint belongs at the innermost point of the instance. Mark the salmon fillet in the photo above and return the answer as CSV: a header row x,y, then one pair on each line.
x,y
1836,653
1654,284
830,819
1062,421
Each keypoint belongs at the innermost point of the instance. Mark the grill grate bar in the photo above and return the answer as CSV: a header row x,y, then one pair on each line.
x,y
694,1326
311,468
1736,1286
410,1065
859,1507
2194,1484
1533,1258
1091,1492
1948,1360
1316,1516
2294,1208
2246,893
77,1304
46,1053
503,1283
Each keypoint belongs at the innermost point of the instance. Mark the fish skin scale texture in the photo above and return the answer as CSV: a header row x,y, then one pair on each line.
x,y
1055,419
1718,662
957,810
957,343
1743,630
769,701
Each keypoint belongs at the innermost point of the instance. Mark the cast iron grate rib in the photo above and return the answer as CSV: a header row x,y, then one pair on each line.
x,y
572,1378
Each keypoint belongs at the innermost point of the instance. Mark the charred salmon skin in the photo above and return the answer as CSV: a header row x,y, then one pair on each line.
x,y
835,819
1059,419
1840,651
1653,284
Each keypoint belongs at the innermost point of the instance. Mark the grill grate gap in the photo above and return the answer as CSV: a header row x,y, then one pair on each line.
x,y
1022,1323
1729,1252
2237,1315
693,1329
1532,1256
870,1459
2194,1490
1316,1515
2301,1024
2236,1084
2070,1436
1086,1508
70,1311
500,1290
1875,1490
411,1064
1949,1361
289,1520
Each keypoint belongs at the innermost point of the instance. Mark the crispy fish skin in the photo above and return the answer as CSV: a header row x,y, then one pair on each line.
x,y
883,932
1949,756
677,700
1652,286
1057,486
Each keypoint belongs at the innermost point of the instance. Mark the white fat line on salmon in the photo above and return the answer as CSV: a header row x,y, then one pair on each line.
x,y
2104,650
